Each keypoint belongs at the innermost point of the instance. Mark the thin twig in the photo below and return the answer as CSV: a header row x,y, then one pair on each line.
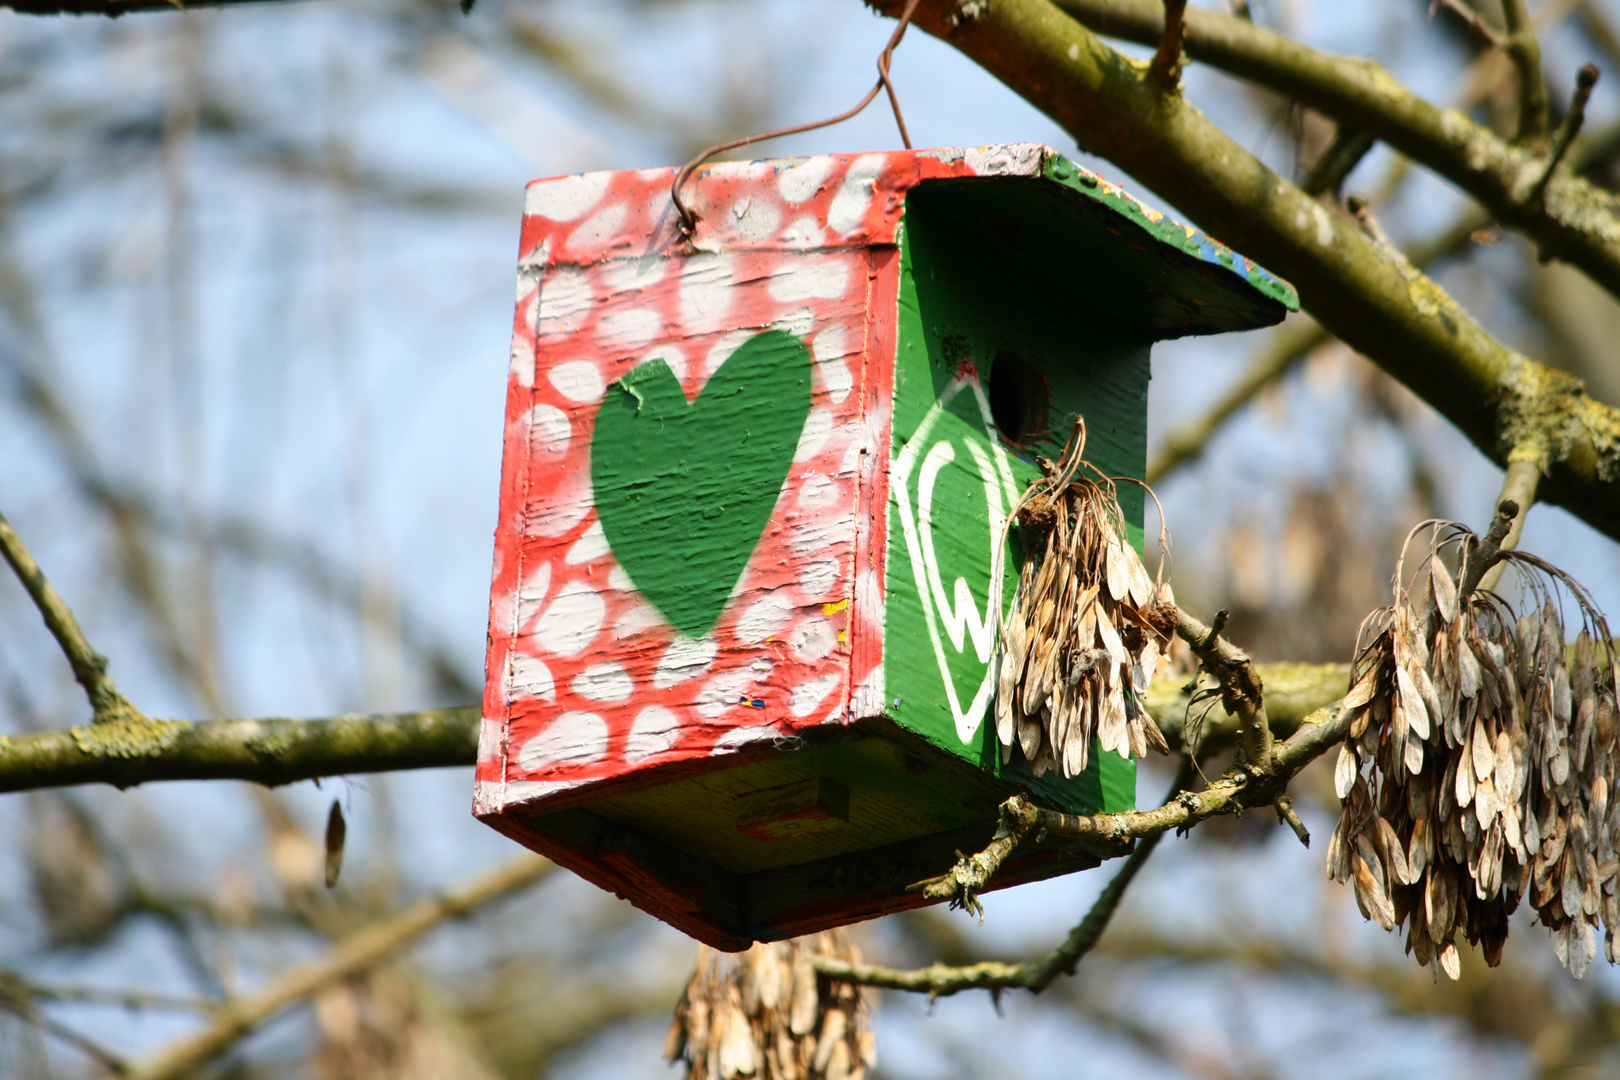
x,y
971,875
1242,692
1525,52
1166,70
942,980
1488,552
1369,224
16,998
1564,137
1518,487
356,953
1286,814
1472,19
1289,345
89,666
16,987
1328,172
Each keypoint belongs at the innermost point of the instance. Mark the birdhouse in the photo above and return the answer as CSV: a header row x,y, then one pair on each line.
x,y
740,656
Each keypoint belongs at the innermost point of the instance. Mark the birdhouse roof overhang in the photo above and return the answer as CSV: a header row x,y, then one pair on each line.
x,y
1150,275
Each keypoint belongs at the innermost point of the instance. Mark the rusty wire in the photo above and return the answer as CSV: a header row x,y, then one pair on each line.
x,y
686,217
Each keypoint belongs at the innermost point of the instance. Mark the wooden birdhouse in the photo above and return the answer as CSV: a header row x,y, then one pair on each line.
x,y
739,655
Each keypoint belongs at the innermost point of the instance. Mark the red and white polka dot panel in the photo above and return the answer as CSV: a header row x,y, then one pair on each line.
x,y
586,680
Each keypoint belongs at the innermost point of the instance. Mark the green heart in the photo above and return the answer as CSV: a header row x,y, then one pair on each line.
x,y
685,491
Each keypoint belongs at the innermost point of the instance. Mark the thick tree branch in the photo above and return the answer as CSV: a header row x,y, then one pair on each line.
x,y
272,751
360,951
1578,222
89,666
1372,299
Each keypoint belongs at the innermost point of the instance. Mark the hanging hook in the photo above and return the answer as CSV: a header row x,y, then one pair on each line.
x,y
686,217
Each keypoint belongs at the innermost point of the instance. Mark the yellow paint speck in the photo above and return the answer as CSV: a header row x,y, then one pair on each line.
x,y
833,609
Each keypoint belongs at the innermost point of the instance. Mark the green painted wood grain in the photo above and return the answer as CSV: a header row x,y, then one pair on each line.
x,y
976,283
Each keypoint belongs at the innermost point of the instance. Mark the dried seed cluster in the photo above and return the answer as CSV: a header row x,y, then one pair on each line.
x,y
1478,764
766,1013
1086,630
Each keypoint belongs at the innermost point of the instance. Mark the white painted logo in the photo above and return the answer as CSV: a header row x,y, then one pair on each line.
x,y
957,613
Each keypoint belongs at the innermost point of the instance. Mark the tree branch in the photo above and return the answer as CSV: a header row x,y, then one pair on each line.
x,y
1519,488
358,952
271,751
1371,299
1234,791
1473,20
1167,60
1284,348
89,666
16,998
1287,346
1242,692
942,980
282,751
1488,552
1293,692
1525,52
1564,137
1579,223
1243,695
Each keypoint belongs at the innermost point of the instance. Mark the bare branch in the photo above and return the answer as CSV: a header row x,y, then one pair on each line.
x,y
15,987
1525,53
1293,692
971,875
1585,79
266,751
1166,70
1576,223
1284,805
1377,304
942,980
89,666
1489,550
1285,347
1369,224
18,997
1242,692
364,949
1519,488
1473,20
1327,174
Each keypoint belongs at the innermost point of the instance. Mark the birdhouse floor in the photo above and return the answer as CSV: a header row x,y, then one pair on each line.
x,y
828,829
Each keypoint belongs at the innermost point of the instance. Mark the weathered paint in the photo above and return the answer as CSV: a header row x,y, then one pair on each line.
x,y
714,681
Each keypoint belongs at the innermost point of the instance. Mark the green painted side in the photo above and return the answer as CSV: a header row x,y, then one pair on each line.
x,y
684,491
971,292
